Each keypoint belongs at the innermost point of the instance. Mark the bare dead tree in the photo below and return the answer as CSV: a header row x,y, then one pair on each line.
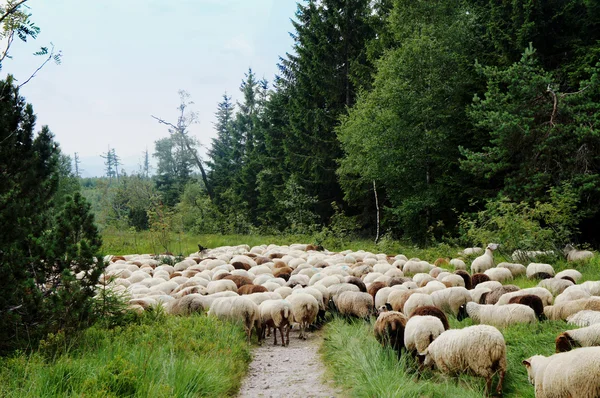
x,y
184,121
377,207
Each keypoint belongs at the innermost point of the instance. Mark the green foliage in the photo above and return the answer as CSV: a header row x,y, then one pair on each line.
x,y
297,206
164,223
198,213
167,357
543,226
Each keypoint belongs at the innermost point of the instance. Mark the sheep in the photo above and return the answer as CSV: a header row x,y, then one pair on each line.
x,y
592,287
358,282
485,261
389,329
499,274
421,279
539,270
564,310
237,308
382,296
515,269
221,286
433,311
415,267
458,264
494,295
469,251
555,285
573,254
454,280
276,314
534,302
476,279
468,283
450,300
566,374
305,309
356,304
542,293
416,300
479,294
478,349
420,331
522,255
571,273
258,298
572,293
432,286
283,291
374,288
500,316
249,289
584,318
588,336
398,298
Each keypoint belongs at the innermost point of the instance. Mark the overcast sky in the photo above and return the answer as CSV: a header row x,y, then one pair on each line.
x,y
124,60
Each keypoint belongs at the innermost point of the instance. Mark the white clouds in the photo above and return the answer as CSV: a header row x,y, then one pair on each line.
x,y
240,45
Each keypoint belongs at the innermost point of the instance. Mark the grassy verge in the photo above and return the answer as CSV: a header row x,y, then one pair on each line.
x,y
165,357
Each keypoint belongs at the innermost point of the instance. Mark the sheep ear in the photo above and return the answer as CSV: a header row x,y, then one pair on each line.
x,y
526,363
388,306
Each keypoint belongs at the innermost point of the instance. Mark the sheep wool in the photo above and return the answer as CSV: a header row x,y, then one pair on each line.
x,y
499,274
571,273
235,309
567,374
449,300
356,304
478,349
433,311
555,285
389,329
515,269
584,318
485,261
305,309
564,310
277,314
573,254
499,316
416,300
534,269
420,331
541,292
458,264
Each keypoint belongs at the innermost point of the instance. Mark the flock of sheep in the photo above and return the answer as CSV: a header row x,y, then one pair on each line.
x,y
273,287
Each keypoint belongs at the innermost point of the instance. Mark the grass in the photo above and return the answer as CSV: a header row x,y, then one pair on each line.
x,y
161,357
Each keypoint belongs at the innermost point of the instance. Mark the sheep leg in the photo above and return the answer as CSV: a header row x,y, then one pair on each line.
x,y
288,334
500,380
488,385
282,337
274,336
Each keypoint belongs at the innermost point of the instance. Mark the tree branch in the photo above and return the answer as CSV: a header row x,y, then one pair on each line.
x,y
50,57
12,10
555,107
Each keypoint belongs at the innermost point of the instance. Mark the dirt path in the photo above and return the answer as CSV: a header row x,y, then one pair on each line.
x,y
296,370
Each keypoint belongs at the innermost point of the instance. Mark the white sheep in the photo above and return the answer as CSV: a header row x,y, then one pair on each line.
x,y
478,349
414,301
305,309
236,309
515,269
565,310
571,293
492,285
500,316
567,374
450,300
573,254
571,273
588,336
542,293
453,280
584,318
276,314
420,331
533,269
555,285
221,286
499,274
416,266
485,261
469,251
593,287
458,264
478,292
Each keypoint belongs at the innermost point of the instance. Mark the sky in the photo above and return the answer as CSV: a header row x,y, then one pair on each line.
x,y
124,60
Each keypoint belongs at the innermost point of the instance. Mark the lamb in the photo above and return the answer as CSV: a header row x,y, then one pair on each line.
x,y
276,314
237,308
588,336
499,274
416,300
515,269
542,293
539,270
494,295
356,304
485,261
476,279
433,311
420,331
564,310
389,329
450,300
567,374
500,316
476,349
305,309
534,302
573,254
584,318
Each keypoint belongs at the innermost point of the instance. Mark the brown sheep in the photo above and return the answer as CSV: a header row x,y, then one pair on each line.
x,y
240,265
174,274
251,255
389,329
375,287
433,311
493,296
398,280
249,289
239,280
476,279
565,343
358,282
276,255
532,301
466,277
441,261
262,260
284,270
117,258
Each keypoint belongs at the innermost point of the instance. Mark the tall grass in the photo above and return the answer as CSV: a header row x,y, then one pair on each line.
x,y
163,357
